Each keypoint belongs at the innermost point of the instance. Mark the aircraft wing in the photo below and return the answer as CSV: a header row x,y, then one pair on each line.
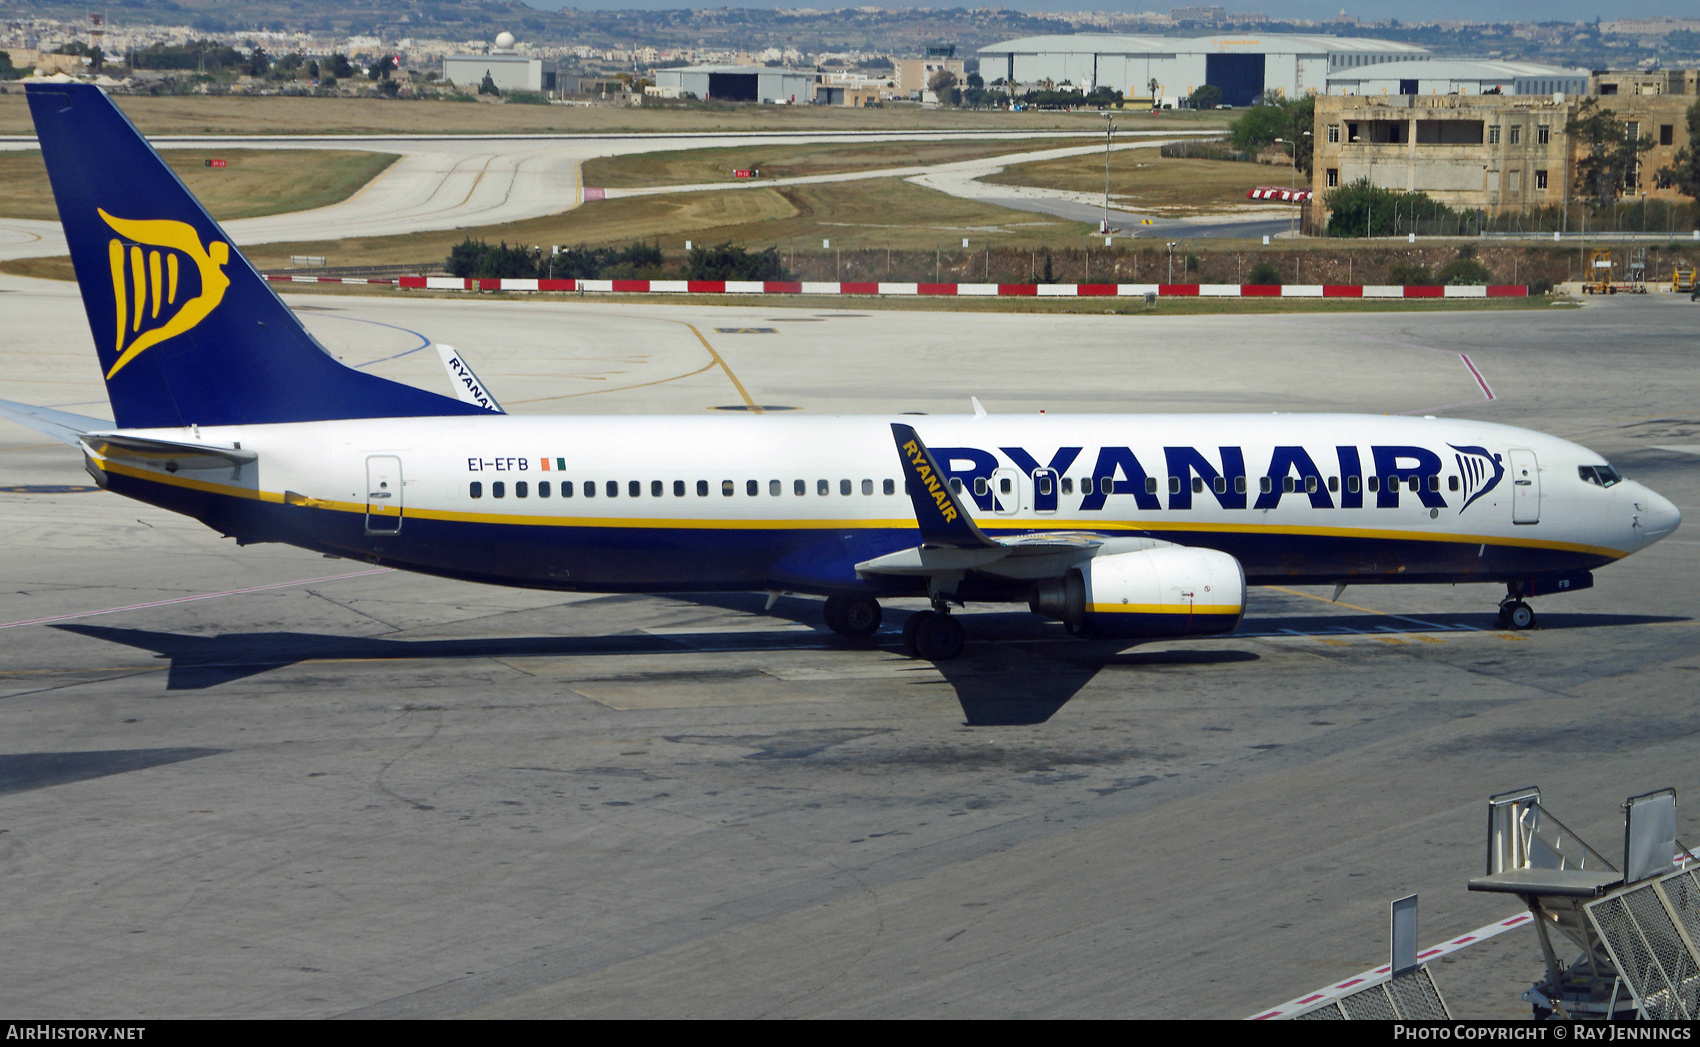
x,y
61,425
951,542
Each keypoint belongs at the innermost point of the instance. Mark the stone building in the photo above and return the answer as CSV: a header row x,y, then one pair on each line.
x,y
1494,153
915,74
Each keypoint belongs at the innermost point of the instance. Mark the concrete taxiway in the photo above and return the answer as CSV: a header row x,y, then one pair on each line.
x,y
257,782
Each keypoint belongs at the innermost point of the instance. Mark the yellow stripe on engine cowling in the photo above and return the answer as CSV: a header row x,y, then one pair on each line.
x,y
1162,608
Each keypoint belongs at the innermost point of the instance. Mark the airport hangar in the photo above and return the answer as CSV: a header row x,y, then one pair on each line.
x,y
1242,66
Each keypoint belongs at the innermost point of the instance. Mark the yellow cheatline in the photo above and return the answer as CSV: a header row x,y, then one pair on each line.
x,y
498,518
1111,528
1156,527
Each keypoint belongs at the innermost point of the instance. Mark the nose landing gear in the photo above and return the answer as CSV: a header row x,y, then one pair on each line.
x,y
1515,614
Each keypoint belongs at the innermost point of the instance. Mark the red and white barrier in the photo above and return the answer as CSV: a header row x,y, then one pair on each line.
x,y
1273,192
458,283
285,278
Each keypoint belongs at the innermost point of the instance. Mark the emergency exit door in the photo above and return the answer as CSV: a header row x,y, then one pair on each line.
x,y
383,494
1525,487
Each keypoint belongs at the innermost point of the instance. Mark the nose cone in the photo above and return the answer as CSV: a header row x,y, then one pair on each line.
x,y
1659,518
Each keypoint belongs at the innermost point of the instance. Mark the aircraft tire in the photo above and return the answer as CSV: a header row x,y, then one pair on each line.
x,y
940,638
912,629
834,614
1520,615
857,616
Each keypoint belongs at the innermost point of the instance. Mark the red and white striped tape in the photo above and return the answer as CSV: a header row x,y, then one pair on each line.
x,y
1680,860
286,278
1377,974
1271,192
459,283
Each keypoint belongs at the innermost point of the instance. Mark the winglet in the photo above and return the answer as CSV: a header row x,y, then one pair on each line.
x,y
944,522
467,386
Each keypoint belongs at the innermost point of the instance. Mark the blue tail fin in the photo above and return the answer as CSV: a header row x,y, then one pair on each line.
x,y
187,331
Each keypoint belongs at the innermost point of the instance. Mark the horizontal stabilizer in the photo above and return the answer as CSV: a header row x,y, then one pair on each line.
x,y
170,455
945,524
61,425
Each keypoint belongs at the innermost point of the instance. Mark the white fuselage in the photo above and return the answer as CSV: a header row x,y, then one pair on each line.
x,y
732,502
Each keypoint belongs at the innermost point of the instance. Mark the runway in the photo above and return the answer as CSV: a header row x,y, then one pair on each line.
x,y
255,782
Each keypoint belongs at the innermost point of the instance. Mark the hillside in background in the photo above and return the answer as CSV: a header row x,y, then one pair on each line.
x,y
1595,45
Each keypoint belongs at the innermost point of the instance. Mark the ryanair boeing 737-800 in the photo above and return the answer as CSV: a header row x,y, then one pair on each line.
x,y
225,409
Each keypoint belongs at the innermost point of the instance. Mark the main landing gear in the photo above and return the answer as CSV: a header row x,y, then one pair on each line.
x,y
933,635
856,616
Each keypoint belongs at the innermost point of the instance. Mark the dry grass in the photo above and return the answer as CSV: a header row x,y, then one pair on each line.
x,y
200,114
876,213
778,160
1147,181
256,182
55,267
880,213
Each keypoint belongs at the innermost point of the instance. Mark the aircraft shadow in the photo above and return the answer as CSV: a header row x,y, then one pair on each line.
x,y
996,683
1260,626
1016,671
21,772
206,661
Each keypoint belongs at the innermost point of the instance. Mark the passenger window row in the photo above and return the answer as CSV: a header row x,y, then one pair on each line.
x,y
658,489
1219,484
1105,484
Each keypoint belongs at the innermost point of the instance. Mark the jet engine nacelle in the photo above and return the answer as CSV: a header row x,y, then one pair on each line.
x,y
1169,591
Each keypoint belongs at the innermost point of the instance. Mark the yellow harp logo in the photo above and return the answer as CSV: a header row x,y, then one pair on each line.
x,y
145,282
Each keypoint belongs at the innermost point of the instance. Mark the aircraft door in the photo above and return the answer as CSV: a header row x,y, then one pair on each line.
x,y
383,494
1044,490
1525,487
1006,491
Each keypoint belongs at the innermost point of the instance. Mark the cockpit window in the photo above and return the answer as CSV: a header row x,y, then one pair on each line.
x,y
1599,475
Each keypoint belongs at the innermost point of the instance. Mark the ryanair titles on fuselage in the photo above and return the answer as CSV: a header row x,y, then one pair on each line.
x,y
1394,469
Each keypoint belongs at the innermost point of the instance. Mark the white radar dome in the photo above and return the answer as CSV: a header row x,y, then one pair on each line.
x,y
504,40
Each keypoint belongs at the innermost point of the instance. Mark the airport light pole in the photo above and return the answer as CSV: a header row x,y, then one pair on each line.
x,y
1171,261
1292,179
1109,132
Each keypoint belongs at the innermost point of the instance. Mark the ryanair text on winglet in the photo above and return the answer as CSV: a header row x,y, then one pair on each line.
x,y
929,479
